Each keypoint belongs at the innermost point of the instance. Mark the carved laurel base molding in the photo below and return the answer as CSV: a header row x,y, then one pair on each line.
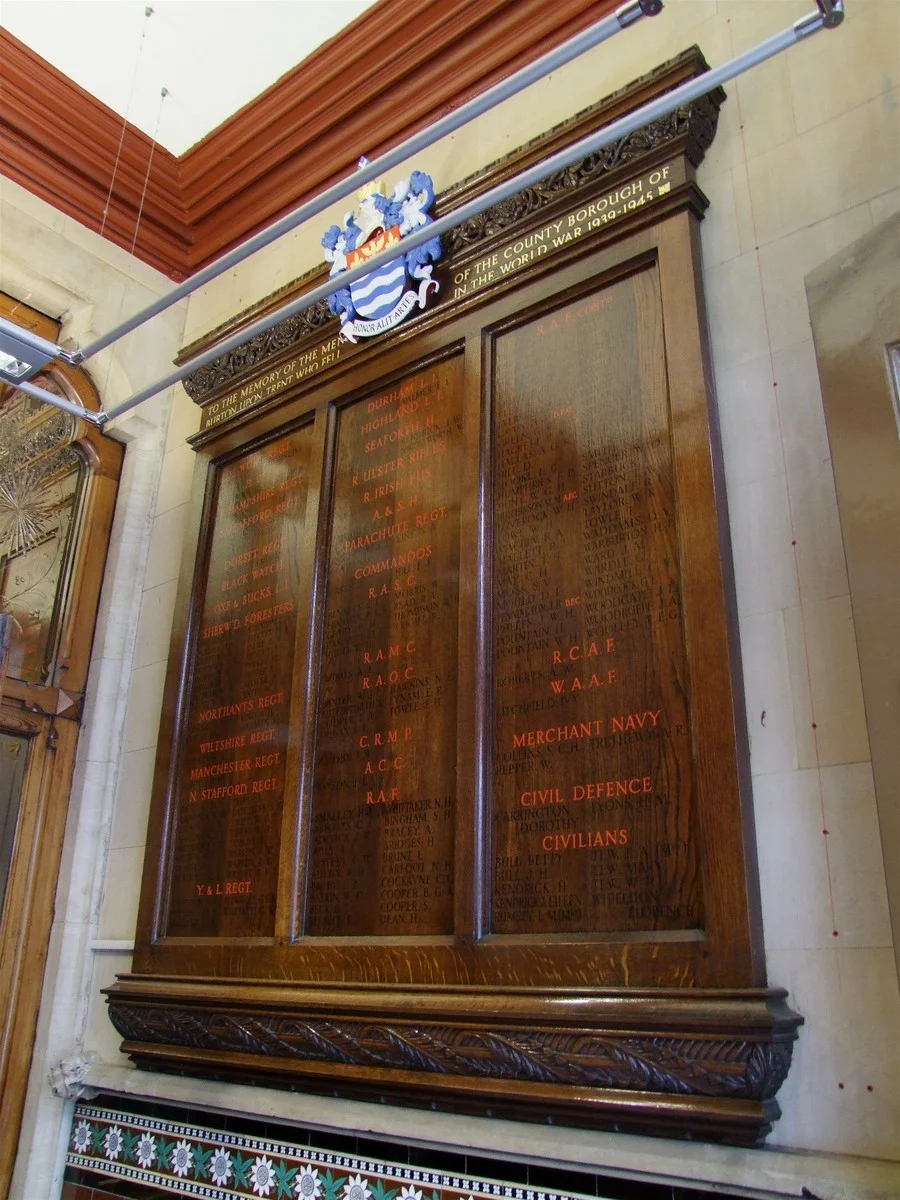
x,y
695,1063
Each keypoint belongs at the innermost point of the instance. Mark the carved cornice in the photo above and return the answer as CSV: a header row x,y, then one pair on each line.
x,y
228,367
399,67
689,130
717,1061
696,121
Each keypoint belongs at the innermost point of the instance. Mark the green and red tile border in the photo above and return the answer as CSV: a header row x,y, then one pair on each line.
x,y
187,1159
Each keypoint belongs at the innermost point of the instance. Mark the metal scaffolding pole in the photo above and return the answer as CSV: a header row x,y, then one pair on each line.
x,y
828,15
623,17
83,414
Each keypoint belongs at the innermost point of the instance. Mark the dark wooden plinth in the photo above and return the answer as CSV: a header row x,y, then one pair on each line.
x,y
703,1064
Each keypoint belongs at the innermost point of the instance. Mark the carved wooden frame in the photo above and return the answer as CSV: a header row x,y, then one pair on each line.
x,y
48,715
676,1036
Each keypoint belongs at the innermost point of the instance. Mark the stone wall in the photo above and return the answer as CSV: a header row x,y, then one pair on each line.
x,y
804,163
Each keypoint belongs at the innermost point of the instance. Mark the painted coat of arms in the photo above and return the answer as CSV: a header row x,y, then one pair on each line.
x,y
380,300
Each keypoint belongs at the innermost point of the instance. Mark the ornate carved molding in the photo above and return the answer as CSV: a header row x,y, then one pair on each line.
x,y
365,91
266,345
684,1065
62,144
696,121
68,1078
721,1053
690,130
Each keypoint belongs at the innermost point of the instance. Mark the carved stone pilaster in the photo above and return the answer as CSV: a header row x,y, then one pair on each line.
x,y
68,1078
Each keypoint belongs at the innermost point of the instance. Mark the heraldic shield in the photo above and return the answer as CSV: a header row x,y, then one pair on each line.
x,y
376,295
380,300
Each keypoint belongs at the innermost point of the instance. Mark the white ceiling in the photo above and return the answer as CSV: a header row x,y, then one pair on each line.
x,y
212,56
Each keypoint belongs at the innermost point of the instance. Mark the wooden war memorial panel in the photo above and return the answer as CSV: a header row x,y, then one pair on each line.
x,y
592,771
224,862
451,796
384,785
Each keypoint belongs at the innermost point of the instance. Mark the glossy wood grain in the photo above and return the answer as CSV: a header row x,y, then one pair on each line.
x,y
46,717
593,784
517,759
384,783
637,453
234,751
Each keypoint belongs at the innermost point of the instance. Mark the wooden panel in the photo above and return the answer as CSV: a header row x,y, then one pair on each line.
x,y
28,905
43,715
713,946
593,780
518,492
231,783
385,772
649,955
13,756
651,272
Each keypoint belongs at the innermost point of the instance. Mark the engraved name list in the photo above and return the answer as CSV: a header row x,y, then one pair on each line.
x,y
591,764
383,808
228,816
